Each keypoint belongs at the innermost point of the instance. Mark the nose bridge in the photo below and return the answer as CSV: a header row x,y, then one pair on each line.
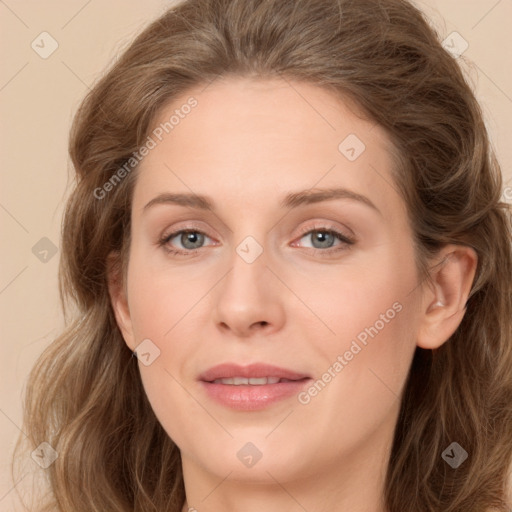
x,y
248,269
247,296
249,253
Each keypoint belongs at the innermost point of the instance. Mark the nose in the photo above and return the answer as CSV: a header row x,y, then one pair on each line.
x,y
249,300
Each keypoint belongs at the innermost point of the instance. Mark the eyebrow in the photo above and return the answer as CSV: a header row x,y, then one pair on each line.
x,y
290,201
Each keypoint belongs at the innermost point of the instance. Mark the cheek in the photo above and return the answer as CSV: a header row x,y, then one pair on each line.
x,y
368,328
158,298
160,307
364,300
366,361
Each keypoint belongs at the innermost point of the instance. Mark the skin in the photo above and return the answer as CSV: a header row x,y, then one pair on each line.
x,y
246,146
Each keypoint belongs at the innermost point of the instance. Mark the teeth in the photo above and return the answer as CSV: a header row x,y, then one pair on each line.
x,y
254,381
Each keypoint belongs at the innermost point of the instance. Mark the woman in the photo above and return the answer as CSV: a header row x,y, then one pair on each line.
x,y
290,268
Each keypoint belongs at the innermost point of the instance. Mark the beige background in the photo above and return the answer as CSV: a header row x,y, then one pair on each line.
x,y
37,100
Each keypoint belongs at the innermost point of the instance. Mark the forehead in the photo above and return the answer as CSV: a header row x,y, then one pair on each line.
x,y
259,136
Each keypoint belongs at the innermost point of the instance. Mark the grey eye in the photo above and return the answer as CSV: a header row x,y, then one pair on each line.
x,y
321,239
191,239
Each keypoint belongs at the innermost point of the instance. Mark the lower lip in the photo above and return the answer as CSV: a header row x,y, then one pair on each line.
x,y
253,398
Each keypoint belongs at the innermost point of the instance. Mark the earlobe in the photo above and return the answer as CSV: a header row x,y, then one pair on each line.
x,y
445,299
119,299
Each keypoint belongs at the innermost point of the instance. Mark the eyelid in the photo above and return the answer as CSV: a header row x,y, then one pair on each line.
x,y
166,237
185,226
327,227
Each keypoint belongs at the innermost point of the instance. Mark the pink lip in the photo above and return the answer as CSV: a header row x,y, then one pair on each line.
x,y
227,370
251,397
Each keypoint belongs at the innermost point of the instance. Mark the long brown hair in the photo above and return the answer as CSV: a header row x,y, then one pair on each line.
x,y
84,396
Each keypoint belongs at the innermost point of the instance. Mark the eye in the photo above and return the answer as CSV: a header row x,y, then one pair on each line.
x,y
325,238
189,239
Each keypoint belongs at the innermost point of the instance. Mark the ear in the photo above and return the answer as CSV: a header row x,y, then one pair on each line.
x,y
444,303
119,299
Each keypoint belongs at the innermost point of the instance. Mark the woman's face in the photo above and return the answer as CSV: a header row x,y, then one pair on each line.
x,y
298,264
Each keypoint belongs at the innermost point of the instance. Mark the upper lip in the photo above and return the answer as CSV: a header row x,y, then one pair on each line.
x,y
255,370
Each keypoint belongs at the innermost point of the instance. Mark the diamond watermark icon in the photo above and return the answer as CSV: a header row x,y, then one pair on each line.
x,y
44,45
249,249
454,455
352,147
249,454
455,44
44,250
146,352
44,455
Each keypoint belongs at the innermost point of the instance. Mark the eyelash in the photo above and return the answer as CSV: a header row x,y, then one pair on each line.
x,y
346,241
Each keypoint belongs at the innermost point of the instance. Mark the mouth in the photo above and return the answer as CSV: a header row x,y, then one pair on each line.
x,y
250,374
254,381
253,387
